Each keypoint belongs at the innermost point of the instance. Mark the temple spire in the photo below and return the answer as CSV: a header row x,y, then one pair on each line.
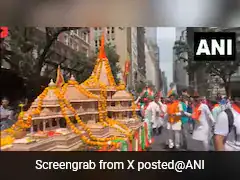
x,y
102,54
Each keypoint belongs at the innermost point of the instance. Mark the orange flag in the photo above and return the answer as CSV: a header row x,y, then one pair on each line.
x,y
60,78
127,68
102,54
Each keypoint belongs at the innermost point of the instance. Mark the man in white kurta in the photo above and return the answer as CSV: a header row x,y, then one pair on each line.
x,y
163,112
153,111
203,127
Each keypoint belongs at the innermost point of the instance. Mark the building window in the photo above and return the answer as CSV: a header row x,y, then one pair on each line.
x,y
66,40
87,53
96,43
77,47
76,32
99,42
71,43
112,30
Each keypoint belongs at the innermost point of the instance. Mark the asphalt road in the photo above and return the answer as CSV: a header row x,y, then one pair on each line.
x,y
160,143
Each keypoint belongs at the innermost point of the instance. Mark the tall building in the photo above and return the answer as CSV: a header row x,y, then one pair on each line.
x,y
151,41
152,66
151,34
165,84
180,75
141,53
134,55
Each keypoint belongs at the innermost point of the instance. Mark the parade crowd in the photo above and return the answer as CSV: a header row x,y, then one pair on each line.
x,y
212,125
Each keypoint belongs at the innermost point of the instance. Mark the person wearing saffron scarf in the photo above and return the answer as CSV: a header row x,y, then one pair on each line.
x,y
203,125
174,110
227,128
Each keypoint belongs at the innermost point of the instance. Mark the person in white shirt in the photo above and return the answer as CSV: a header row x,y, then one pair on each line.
x,y
227,129
163,111
204,122
153,112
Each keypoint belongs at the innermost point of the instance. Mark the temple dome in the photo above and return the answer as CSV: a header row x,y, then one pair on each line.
x,y
50,99
123,94
74,92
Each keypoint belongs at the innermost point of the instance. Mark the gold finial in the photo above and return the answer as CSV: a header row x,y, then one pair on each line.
x,y
72,78
51,84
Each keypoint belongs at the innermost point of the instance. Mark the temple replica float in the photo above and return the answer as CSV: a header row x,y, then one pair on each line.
x,y
97,115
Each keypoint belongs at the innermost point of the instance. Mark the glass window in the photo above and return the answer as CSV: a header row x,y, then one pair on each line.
x,y
112,30
66,39
77,47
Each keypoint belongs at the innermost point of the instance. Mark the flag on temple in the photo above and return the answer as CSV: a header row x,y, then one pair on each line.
x,y
60,78
172,91
102,54
127,69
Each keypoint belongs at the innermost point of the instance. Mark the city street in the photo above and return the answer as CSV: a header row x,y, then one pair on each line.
x,y
160,143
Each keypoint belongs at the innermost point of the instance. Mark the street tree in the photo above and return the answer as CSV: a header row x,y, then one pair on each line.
x,y
29,53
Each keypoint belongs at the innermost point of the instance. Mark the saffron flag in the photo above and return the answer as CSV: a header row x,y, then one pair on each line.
x,y
127,69
60,78
149,92
173,90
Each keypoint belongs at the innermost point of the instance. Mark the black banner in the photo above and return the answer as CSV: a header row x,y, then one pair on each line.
x,y
119,165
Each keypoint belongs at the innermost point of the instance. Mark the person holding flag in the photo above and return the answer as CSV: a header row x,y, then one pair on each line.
x,y
204,122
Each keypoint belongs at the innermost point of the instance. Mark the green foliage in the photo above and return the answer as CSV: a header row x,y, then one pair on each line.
x,y
25,41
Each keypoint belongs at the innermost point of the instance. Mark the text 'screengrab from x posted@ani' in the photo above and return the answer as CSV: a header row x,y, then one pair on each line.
x,y
177,166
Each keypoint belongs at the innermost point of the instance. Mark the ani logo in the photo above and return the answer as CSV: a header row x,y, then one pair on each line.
x,y
214,46
3,32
